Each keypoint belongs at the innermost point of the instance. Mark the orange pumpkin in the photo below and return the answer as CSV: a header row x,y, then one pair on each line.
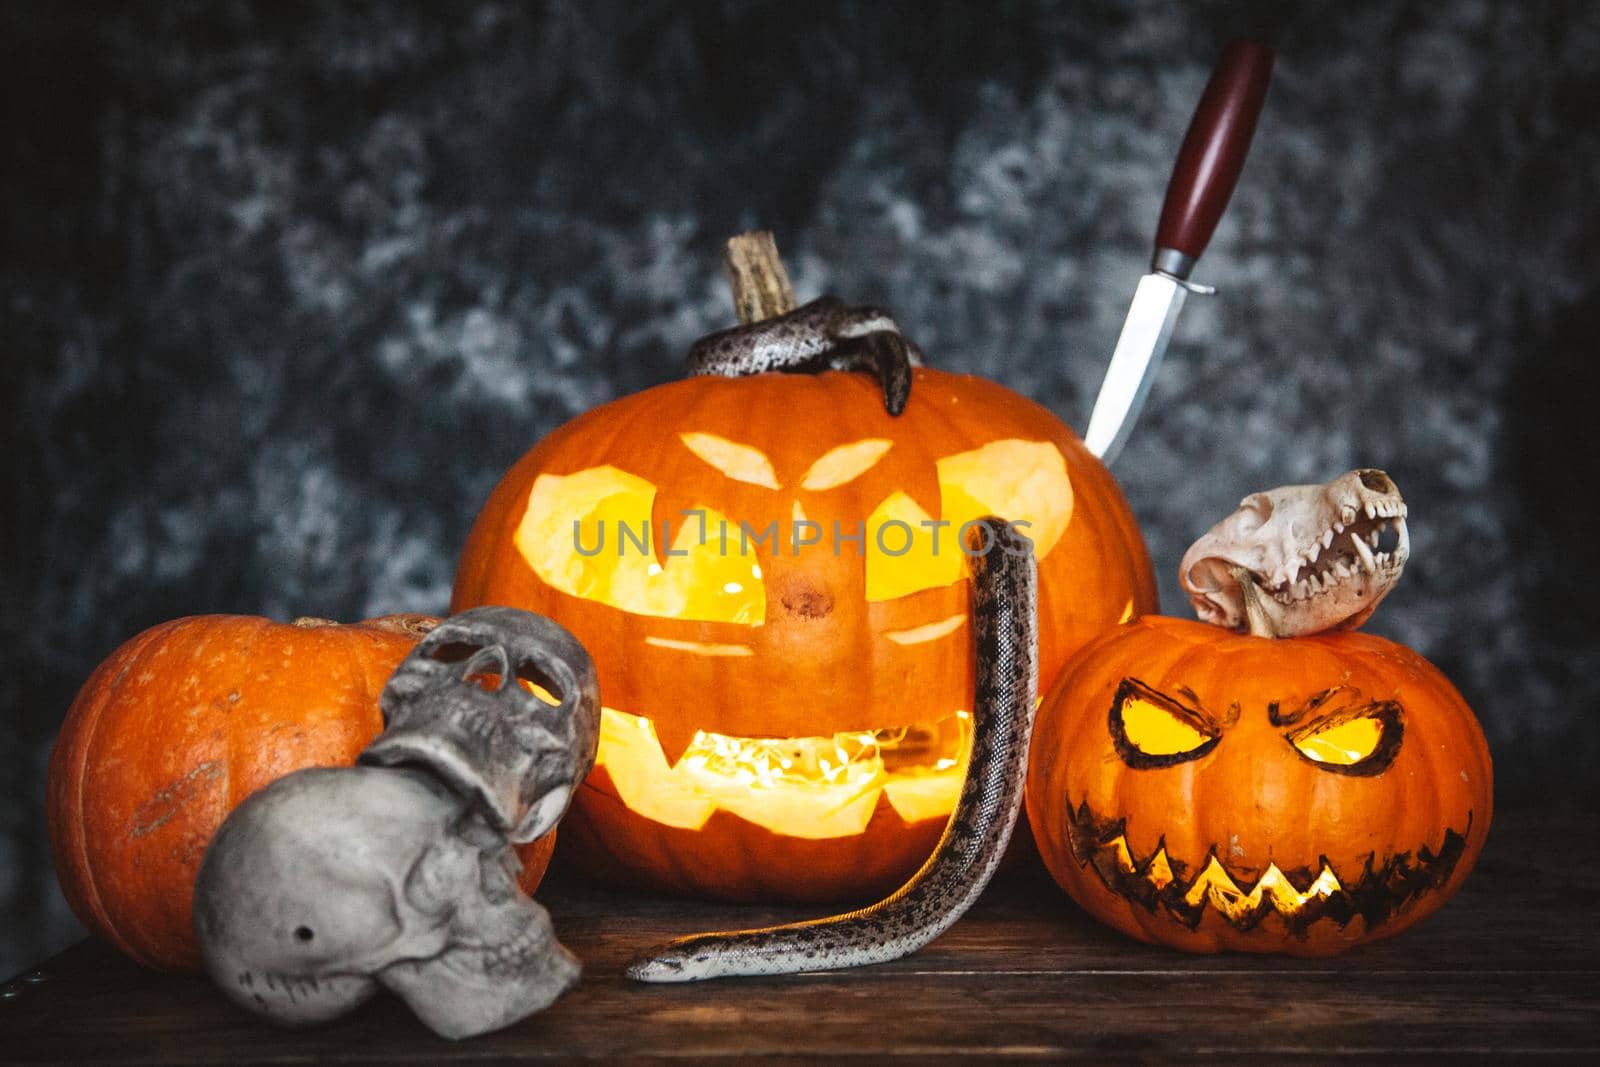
x,y
180,724
785,671
1209,790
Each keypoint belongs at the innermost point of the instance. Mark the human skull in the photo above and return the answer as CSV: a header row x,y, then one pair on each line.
x,y
1322,556
455,706
333,882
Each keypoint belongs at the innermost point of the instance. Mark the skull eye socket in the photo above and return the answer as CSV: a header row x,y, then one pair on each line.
x,y
1359,740
1258,509
452,652
481,665
434,884
529,675
1152,730
540,684
461,652
1377,481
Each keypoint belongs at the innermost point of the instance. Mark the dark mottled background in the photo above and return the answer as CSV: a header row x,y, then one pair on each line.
x,y
287,286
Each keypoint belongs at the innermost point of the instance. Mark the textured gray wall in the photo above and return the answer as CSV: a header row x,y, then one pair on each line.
x,y
287,287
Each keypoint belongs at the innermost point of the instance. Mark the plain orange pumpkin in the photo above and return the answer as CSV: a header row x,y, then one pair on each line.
x,y
783,719
179,725
1210,790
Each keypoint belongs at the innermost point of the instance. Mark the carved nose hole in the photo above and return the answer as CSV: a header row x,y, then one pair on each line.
x,y
803,599
303,934
1377,481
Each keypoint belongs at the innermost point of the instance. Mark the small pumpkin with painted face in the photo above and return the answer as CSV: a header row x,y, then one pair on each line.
x,y
1292,788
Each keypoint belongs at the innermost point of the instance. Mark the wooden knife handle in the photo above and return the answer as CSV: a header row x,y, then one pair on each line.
x,y
1212,155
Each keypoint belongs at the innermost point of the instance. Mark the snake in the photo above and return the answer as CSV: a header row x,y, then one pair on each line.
x,y
826,334
1005,688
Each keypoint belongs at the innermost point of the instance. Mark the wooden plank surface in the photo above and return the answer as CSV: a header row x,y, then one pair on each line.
x,y
1510,967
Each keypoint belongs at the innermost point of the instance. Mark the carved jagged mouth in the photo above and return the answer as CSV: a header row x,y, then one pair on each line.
x,y
814,787
1369,546
1160,882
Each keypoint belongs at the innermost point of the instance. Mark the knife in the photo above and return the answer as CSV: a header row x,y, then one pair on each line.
x,y
1202,181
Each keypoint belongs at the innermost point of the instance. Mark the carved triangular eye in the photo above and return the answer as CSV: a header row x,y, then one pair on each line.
x,y
1151,729
1361,739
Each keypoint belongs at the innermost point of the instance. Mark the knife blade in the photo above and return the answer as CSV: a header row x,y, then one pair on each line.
x,y
1203,179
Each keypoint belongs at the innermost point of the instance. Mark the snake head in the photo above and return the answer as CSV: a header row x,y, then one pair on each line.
x,y
669,964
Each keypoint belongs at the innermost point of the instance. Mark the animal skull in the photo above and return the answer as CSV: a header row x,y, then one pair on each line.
x,y
331,883
1320,556
455,706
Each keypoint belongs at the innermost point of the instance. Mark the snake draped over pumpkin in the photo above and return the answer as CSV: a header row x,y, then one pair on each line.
x,y
825,334
1005,640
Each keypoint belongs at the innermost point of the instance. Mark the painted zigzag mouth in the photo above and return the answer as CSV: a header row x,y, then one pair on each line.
x,y
1159,882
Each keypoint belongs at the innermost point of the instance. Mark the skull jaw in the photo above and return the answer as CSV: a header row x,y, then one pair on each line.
x,y
466,991
1344,606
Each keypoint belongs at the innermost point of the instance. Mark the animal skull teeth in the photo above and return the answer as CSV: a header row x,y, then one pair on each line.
x,y
1353,552
1321,556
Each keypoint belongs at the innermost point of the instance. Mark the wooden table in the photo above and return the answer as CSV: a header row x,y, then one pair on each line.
x,y
1512,966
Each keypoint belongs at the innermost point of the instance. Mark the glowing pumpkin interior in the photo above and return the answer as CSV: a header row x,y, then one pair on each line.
x,y
596,534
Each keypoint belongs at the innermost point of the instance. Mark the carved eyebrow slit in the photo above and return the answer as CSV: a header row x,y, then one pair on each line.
x,y
844,463
1151,730
742,463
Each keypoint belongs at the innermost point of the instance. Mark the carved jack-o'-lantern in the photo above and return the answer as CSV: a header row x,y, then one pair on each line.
x,y
768,573
1270,791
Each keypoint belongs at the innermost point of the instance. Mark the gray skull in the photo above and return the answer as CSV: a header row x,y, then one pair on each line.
x,y
1321,556
331,883
454,706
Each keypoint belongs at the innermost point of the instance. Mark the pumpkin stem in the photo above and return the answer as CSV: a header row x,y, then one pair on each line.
x,y
411,624
1260,623
760,284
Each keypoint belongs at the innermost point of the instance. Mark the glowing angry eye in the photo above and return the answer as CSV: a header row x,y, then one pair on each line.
x,y
590,535
909,550
1151,729
1355,740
